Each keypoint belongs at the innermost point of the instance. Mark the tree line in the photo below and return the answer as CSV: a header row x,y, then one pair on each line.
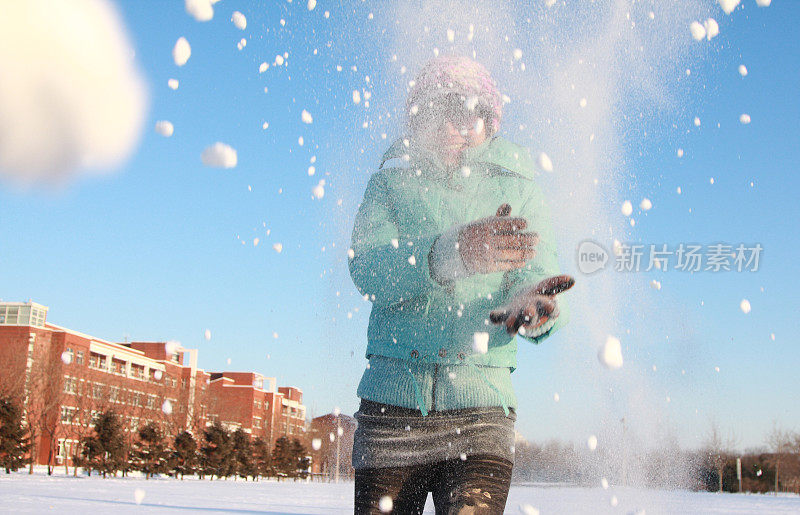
x,y
775,467
217,453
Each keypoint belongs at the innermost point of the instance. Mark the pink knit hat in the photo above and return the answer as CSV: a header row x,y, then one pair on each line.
x,y
446,75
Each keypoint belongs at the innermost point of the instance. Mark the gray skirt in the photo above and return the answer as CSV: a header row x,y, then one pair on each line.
x,y
390,436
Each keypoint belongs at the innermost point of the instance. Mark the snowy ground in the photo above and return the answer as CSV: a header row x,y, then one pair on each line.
x,y
20,493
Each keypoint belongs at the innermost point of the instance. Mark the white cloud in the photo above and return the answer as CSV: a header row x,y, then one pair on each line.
x,y
72,98
219,155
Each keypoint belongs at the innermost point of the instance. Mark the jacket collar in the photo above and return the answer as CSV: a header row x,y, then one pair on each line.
x,y
495,151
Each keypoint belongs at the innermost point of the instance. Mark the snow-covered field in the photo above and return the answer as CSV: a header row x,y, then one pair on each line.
x,y
20,493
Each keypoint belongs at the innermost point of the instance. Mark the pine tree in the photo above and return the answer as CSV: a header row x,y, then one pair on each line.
x,y
91,450
262,459
105,450
184,455
282,457
217,457
243,454
302,460
13,436
150,451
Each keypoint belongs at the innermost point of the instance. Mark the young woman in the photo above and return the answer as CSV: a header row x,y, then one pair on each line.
x,y
453,246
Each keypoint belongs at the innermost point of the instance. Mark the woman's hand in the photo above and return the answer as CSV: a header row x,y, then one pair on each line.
x,y
496,243
533,307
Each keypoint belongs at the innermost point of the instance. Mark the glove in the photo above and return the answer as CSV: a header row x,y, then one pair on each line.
x,y
533,307
496,243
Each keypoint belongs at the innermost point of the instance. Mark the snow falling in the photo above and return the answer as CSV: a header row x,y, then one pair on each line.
x,y
181,51
99,119
200,10
545,163
480,342
567,99
164,128
610,353
219,155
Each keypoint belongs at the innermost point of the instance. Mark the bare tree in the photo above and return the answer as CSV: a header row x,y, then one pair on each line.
x,y
91,398
12,373
44,383
718,449
50,382
780,443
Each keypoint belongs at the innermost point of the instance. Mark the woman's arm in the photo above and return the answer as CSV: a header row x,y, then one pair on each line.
x,y
384,266
542,266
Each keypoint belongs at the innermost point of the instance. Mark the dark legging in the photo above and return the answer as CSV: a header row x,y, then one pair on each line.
x,y
478,484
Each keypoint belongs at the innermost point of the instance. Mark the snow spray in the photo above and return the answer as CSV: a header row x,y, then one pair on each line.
x,y
582,82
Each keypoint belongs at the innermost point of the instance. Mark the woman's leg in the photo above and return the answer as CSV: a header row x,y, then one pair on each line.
x,y
407,487
478,484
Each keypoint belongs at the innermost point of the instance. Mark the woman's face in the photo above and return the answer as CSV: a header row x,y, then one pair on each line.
x,y
450,128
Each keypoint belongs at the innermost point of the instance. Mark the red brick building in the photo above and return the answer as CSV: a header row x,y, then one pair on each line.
x,y
331,439
64,378
252,402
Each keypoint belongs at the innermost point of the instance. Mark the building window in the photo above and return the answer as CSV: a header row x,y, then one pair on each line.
x,y
10,315
67,414
97,361
118,367
97,391
137,371
69,355
70,385
79,357
37,317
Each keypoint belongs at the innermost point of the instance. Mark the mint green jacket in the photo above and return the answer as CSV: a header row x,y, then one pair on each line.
x,y
421,332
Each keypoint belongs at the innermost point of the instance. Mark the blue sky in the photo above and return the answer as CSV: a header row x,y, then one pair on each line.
x,y
154,251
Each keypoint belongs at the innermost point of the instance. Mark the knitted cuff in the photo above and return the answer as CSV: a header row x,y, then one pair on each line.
x,y
542,329
445,259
